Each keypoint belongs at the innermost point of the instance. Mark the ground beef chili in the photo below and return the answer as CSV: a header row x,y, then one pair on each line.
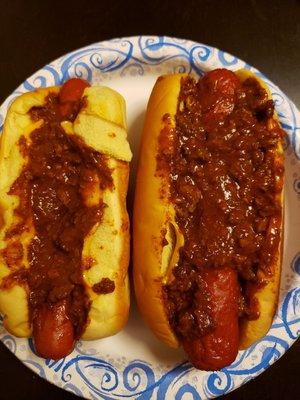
x,y
105,286
53,188
225,187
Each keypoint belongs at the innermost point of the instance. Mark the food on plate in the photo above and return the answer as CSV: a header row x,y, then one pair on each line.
x,y
208,214
64,229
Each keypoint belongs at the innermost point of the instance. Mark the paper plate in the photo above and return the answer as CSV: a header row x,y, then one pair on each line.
x,y
133,364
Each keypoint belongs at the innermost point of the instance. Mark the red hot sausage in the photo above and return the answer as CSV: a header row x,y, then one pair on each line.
x,y
219,348
220,87
70,92
53,331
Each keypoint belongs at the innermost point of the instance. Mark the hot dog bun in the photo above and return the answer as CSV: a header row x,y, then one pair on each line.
x,y
101,124
267,296
151,259
154,221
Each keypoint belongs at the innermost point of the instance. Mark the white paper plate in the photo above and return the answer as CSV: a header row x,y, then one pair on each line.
x,y
133,364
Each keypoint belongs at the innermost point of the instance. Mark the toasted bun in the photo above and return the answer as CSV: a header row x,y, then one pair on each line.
x,y
154,215
102,126
267,296
154,220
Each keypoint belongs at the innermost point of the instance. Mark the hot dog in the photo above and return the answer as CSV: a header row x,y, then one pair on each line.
x,y
64,234
207,226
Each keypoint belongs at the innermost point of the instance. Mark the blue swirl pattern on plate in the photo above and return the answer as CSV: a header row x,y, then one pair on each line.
x,y
88,373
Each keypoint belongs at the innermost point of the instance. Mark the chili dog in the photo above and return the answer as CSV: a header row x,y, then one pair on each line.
x,y
208,214
64,237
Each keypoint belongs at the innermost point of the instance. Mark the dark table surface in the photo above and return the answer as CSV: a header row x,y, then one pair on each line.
x,y
264,33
